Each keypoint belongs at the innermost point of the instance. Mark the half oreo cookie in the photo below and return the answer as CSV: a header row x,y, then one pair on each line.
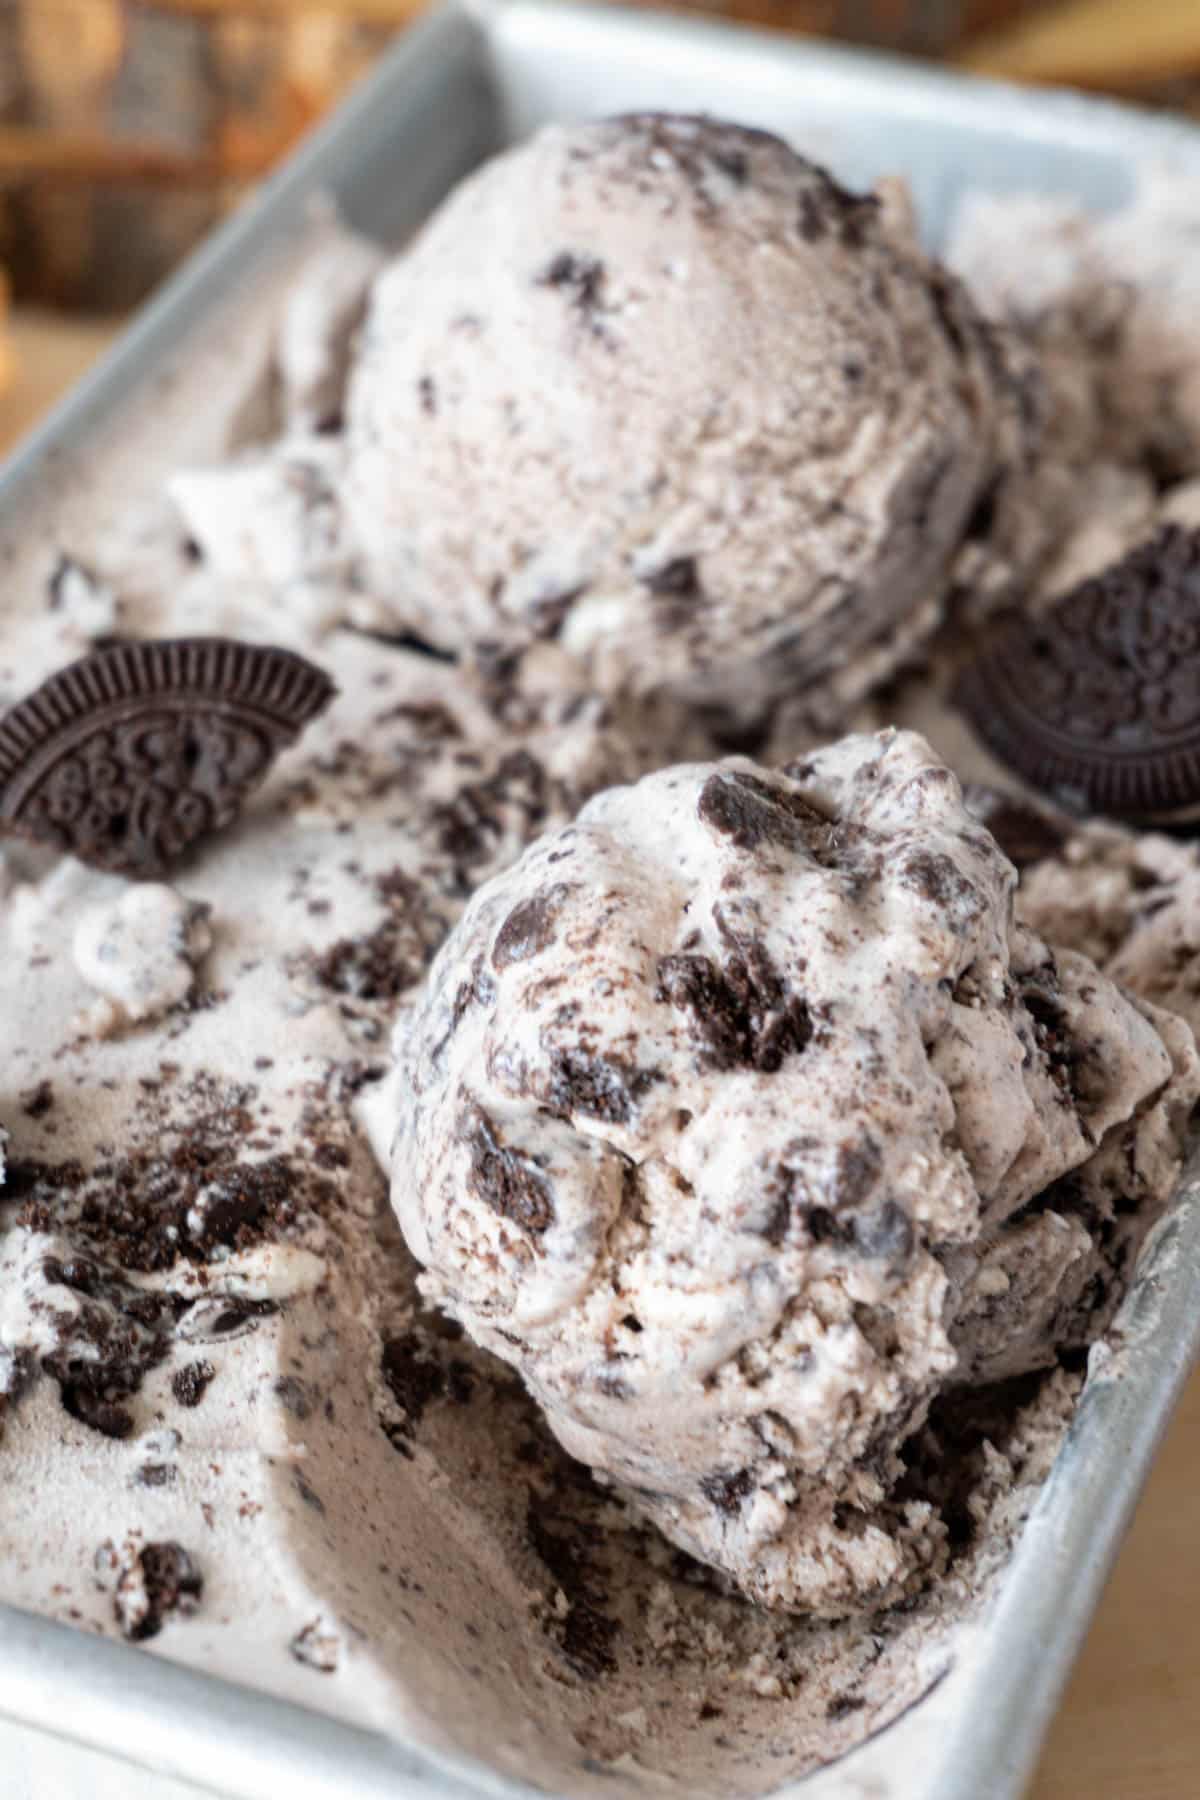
x,y
132,754
1097,703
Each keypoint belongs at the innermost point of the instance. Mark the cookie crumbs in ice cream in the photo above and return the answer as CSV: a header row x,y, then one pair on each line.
x,y
153,1584
766,1126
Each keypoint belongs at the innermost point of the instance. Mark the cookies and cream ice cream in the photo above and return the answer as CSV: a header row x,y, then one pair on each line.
x,y
660,388
232,1427
742,1120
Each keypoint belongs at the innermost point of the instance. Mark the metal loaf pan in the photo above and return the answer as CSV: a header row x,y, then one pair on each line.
x,y
79,1717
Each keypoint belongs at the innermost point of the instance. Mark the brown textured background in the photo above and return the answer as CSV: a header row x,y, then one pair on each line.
x,y
126,128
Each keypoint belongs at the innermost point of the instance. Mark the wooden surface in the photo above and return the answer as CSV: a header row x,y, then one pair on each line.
x,y
1121,44
1129,1728
48,355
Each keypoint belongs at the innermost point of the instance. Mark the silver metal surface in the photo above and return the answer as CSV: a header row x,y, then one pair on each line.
x,y
462,83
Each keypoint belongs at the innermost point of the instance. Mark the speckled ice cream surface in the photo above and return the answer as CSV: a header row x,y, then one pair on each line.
x,y
232,1429
661,389
742,1119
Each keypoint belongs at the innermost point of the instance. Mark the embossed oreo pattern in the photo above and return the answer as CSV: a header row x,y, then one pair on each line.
x,y
130,755
1098,702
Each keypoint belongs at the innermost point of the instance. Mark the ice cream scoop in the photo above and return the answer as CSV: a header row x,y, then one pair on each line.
x,y
660,387
741,1119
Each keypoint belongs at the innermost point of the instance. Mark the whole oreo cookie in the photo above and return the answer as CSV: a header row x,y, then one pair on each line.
x,y
130,755
1097,703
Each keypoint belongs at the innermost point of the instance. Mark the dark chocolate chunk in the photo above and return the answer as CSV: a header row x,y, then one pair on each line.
x,y
156,1475
331,1156
405,640
597,1087
934,876
378,966
419,1371
413,1376
220,1318
743,1012
580,277
1097,703
727,1491
38,1101
751,813
679,578
856,215
1026,833
130,755
381,964
824,1227
696,146
470,825
105,1344
83,1403
189,1196
506,1180
162,1579
238,1198
587,1634
811,219
190,1383
734,164
613,1387
841,1205
779,1216
826,207
529,928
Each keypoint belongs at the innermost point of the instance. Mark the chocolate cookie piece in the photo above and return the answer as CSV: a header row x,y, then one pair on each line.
x,y
1097,703
1026,832
130,755
160,1579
